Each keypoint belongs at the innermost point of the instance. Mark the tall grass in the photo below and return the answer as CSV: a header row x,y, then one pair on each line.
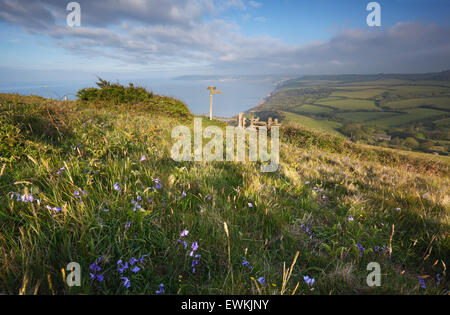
x,y
301,214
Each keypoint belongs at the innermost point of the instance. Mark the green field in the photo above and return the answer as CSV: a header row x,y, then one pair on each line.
x,y
349,104
436,102
411,115
406,107
362,94
366,116
310,123
313,109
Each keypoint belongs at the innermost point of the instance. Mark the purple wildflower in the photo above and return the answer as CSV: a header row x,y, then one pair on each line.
x,y
361,249
422,283
309,281
261,280
117,186
161,289
135,269
141,260
246,263
121,267
194,247
126,282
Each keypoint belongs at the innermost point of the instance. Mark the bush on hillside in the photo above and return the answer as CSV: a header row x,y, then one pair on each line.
x,y
114,93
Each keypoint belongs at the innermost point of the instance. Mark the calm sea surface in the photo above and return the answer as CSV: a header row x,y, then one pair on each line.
x,y
238,95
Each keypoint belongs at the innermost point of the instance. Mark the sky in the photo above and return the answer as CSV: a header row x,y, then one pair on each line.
x,y
169,38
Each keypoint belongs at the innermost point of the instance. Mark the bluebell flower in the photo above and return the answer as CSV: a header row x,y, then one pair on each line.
x,y
183,195
161,289
184,233
117,186
309,281
127,225
261,280
246,263
158,183
183,242
194,247
141,260
361,249
122,266
135,269
100,278
143,158
133,261
422,283
126,282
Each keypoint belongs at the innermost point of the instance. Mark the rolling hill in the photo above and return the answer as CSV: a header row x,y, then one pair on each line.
x,y
411,109
92,182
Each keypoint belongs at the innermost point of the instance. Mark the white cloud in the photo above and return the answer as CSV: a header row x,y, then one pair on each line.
x,y
254,4
174,33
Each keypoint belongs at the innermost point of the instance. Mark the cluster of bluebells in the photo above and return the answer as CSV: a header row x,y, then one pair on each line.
x,y
131,265
29,198
78,195
194,248
26,198
361,249
383,248
307,230
54,209
182,236
95,269
157,182
136,204
261,280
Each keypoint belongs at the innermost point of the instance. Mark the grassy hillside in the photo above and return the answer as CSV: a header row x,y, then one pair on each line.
x,y
93,183
412,109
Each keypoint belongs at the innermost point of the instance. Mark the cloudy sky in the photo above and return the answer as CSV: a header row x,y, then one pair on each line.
x,y
151,38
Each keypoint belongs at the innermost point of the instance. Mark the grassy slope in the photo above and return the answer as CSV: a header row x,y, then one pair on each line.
x,y
323,181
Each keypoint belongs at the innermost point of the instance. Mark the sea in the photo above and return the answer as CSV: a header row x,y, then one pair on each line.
x,y
239,94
